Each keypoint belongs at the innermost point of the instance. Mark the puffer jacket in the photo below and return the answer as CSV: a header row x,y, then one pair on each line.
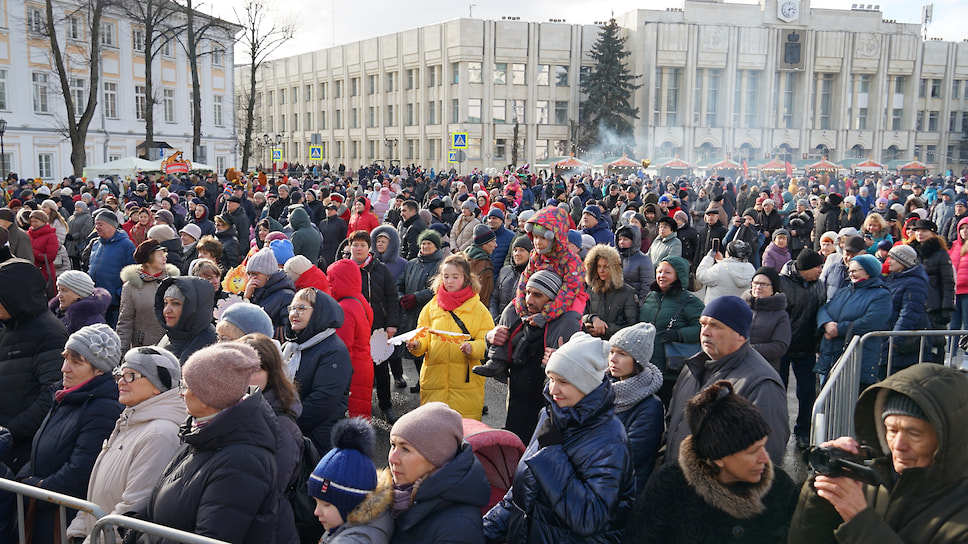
x,y
941,274
926,504
371,520
462,233
670,246
108,257
324,373
659,308
79,226
409,233
960,263
274,297
31,342
345,279
137,323
775,257
289,450
770,330
391,257
380,290
363,221
601,233
857,309
334,230
446,372
641,412
827,220
314,277
67,444
505,288
194,329
44,243
446,507
415,281
803,301
612,301
637,267
83,312
582,490
559,260
231,248
909,289
729,276
306,240
144,439
229,461
482,267
500,253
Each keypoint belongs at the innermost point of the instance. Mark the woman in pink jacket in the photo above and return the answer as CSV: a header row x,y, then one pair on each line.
x,y
959,258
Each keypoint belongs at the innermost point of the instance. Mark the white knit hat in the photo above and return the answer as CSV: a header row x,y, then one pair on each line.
x,y
263,261
581,361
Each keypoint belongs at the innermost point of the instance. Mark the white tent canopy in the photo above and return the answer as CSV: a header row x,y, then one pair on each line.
x,y
155,166
127,166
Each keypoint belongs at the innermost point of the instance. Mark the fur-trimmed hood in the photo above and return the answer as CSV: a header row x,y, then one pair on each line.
x,y
376,503
741,501
610,254
129,274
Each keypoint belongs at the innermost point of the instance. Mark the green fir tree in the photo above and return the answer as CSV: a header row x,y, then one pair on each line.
x,y
607,107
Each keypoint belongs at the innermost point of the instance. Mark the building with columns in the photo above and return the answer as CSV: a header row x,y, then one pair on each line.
x,y
746,81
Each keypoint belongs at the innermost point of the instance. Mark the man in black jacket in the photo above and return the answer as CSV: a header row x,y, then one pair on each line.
x,y
410,229
714,229
333,228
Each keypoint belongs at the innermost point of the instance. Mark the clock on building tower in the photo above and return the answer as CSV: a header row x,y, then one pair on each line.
x,y
788,10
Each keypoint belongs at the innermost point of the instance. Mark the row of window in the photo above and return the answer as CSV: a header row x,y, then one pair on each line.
x,y
931,88
432,149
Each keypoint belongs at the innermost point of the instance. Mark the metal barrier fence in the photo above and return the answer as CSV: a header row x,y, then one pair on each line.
x,y
106,526
833,411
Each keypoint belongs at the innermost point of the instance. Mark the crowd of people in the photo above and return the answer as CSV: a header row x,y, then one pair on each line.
x,y
185,349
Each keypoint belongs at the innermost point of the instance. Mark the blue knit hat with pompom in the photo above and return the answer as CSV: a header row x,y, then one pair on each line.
x,y
346,475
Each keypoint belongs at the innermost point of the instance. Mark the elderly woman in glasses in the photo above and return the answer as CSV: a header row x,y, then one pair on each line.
x,y
144,438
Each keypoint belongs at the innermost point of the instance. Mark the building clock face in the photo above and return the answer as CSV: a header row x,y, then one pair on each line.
x,y
788,10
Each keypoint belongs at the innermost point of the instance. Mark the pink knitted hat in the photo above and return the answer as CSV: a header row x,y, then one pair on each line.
x,y
219,375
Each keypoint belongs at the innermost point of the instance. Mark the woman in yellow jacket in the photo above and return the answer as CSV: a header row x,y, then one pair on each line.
x,y
446,373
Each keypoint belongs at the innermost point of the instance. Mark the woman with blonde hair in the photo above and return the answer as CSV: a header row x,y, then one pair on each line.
x,y
611,304
456,307
874,230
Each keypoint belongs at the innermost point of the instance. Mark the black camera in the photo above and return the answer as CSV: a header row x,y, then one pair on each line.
x,y
835,462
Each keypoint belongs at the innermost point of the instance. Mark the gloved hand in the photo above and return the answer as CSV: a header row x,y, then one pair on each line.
x,y
667,335
548,434
407,302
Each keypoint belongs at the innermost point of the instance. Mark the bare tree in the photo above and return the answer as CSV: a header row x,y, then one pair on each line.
x,y
260,37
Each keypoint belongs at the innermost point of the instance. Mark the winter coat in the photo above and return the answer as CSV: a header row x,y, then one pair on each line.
x,y
391,257
659,308
20,243
753,379
909,289
137,323
803,302
928,504
770,222
729,276
363,221
770,330
612,301
371,522
144,439
462,233
960,263
641,412
231,249
670,246
637,267
505,288
581,490
706,237
31,342
67,444
240,224
834,275
79,226
229,461
289,451
305,238
690,241
83,312
857,309
194,329
503,238
684,502
941,275
415,280
775,256
44,243
602,234
204,223
851,217
345,279
560,260
446,372
409,232
314,277
274,297
333,230
324,373
446,507
483,268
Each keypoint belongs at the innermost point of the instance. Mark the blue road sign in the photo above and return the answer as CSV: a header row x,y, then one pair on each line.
x,y
316,152
277,154
458,140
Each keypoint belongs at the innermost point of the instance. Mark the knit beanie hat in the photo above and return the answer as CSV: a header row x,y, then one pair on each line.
x,y
496,212
98,344
723,422
283,251
264,261
904,255
275,235
166,217
483,234
469,204
144,250
39,215
780,232
346,474
846,231
192,230
772,274
830,236
174,292
434,430
899,404
855,244
870,264
219,374
637,340
248,318
523,242
732,312
574,237
808,259
545,281
76,281
430,235
296,267
162,233
159,365
581,360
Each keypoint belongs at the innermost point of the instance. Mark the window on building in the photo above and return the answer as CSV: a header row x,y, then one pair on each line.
x,y
282,97
75,27
432,146
455,110
935,88
561,76
541,113
584,72
955,89
500,148
391,82
282,123
218,55
922,88
3,94
823,99
752,96
499,111
672,96
371,149
474,72
412,149
138,40
518,107
373,116
953,121
540,150
323,87
108,34
432,114
413,114
413,78
473,149
78,93
140,102
454,73
933,121
270,124
36,22
269,98
322,120
474,110
932,154
355,150
354,118
168,104
864,84
789,98
371,86
295,124
355,86
41,100
899,83
308,91
339,89
561,112
862,118
391,116
45,165
919,124
217,113
897,115
964,120
168,48
543,75
519,74
433,76
500,73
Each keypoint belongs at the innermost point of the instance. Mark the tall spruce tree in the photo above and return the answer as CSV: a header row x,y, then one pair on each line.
x,y
607,109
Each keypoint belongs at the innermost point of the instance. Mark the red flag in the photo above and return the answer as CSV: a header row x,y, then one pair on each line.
x,y
789,169
746,171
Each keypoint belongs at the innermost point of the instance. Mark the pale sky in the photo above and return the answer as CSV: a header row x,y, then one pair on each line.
x,y
361,19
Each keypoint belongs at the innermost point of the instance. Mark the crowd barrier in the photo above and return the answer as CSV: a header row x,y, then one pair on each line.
x,y
833,411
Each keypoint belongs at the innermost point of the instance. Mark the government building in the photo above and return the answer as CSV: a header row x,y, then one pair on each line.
x,y
778,79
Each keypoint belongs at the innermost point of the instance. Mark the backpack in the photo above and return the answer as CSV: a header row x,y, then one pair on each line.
x,y
297,493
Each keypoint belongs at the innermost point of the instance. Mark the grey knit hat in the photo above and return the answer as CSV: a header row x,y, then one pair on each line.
x,y
904,255
637,340
434,430
159,365
162,233
581,361
248,318
899,404
76,281
263,261
98,344
545,281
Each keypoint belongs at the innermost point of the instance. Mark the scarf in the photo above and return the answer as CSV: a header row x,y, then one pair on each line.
x,y
451,300
292,352
401,499
366,261
159,277
59,395
630,391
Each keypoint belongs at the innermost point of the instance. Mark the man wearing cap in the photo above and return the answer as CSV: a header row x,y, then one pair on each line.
x,y
111,250
913,420
944,209
333,229
595,226
233,206
479,256
727,355
495,221
713,229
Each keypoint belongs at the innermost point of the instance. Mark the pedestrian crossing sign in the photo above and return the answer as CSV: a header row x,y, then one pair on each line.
x,y
458,140
452,156
277,154
316,152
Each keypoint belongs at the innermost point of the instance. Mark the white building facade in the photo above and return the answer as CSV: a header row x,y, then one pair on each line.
x,y
35,144
717,81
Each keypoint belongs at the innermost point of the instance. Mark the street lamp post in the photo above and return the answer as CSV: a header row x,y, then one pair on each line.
x,y
278,142
3,155
266,143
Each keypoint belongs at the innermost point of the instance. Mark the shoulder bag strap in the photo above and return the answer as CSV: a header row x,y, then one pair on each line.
x,y
675,316
463,328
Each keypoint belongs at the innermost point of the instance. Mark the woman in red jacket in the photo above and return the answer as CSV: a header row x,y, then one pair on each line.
x,y
362,218
346,282
959,258
43,240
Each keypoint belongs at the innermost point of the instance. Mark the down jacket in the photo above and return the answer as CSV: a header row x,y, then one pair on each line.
x,y
941,275
43,240
132,459
137,324
391,257
306,240
637,267
581,490
729,276
770,331
220,483
345,280
612,301
960,263
274,297
909,289
641,412
108,257
364,221
415,281
505,287
380,289
462,233
194,329
857,309
803,301
659,308
83,312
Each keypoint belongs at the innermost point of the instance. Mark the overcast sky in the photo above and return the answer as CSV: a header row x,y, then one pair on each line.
x,y
359,19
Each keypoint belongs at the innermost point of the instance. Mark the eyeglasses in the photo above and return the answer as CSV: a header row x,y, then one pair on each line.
x,y
299,310
762,284
854,270
127,375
